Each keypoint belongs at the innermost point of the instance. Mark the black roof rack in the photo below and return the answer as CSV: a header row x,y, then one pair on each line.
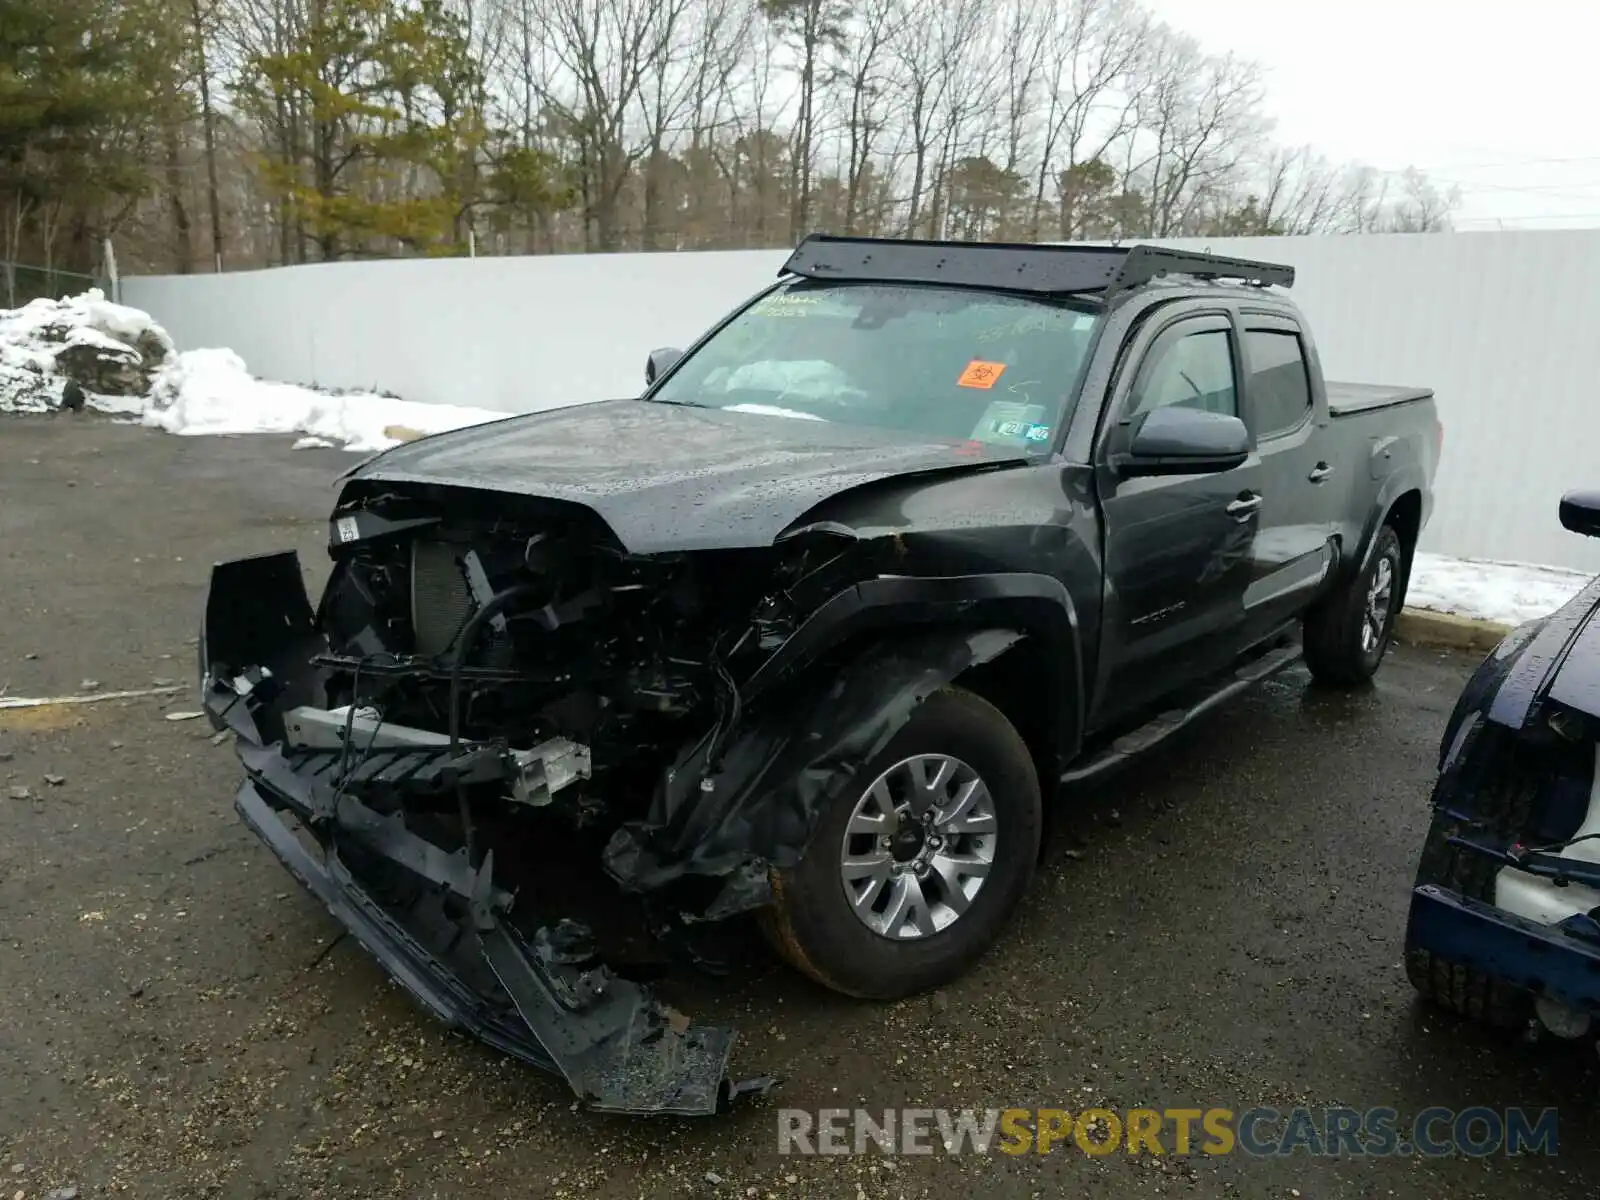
x,y
1056,270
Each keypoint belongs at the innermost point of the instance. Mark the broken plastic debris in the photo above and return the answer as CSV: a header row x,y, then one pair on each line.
x,y
96,698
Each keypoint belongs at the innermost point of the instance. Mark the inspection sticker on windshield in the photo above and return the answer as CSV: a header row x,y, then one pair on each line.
x,y
1026,430
1007,422
980,374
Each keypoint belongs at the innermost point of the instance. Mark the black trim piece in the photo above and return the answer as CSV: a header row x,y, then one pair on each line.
x,y
911,599
425,977
1145,738
618,1048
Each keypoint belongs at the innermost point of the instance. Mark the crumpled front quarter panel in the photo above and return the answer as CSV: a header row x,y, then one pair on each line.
x,y
763,802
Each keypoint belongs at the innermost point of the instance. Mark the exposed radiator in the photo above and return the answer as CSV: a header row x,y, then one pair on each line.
x,y
441,602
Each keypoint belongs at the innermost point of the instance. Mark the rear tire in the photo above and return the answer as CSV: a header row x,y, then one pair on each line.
x,y
864,937
1347,632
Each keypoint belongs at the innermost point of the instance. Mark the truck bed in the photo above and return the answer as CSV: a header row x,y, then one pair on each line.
x,y
1346,398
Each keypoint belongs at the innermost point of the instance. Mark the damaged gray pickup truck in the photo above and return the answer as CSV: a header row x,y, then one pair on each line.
x,y
811,629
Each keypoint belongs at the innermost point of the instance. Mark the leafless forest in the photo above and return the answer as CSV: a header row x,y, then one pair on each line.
x,y
221,134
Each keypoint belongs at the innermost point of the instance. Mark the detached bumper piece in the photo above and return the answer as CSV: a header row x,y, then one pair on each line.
x,y
434,920
619,1048
1559,961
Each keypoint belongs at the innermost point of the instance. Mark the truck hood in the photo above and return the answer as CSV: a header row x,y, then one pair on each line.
x,y
668,477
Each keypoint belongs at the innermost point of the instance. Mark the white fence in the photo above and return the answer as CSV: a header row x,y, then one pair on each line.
x,y
1502,325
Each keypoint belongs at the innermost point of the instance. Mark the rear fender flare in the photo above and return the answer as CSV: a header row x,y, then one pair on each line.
x,y
1393,488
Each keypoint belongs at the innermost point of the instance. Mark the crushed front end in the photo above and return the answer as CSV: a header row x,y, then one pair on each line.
x,y
497,718
1505,915
482,712
1509,886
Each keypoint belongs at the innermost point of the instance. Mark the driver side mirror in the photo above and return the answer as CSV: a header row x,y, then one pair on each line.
x,y
659,362
1580,512
1174,440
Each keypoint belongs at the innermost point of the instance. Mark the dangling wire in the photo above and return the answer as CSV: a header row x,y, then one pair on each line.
x,y
345,775
1520,852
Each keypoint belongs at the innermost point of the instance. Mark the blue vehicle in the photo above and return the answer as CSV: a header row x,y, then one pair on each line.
x,y
1505,914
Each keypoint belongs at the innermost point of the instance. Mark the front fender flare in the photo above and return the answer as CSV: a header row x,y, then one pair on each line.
x,y
758,806
1037,605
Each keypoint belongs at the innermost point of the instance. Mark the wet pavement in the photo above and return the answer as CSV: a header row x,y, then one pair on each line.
x,y
1220,927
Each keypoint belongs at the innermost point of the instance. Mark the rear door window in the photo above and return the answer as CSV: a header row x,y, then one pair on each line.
x,y
1280,384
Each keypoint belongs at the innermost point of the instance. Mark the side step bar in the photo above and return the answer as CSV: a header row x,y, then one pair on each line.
x,y
1151,734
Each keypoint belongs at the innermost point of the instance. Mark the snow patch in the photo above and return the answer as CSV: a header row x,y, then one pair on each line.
x,y
1509,593
206,392
33,336
198,392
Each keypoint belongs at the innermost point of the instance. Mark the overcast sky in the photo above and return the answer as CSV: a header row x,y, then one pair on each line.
x,y
1498,97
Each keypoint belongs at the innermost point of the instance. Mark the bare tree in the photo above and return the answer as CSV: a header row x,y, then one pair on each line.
x,y
864,74
668,124
1199,119
1093,45
1422,207
606,49
1025,24
945,56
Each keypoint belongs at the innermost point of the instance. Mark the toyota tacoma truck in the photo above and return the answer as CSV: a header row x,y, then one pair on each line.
x,y
811,629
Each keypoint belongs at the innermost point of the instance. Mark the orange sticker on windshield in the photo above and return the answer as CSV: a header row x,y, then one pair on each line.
x,y
980,374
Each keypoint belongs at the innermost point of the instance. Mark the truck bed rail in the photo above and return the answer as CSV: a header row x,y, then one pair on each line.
x,y
1363,397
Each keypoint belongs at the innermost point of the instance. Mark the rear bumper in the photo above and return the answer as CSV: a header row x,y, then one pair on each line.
x,y
1561,961
542,996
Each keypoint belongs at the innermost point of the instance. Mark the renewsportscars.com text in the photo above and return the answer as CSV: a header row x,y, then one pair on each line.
x,y
1258,1132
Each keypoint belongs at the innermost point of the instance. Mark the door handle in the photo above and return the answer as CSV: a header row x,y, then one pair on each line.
x,y
1320,473
1244,505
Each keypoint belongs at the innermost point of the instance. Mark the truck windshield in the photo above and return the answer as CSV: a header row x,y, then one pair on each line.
x,y
929,362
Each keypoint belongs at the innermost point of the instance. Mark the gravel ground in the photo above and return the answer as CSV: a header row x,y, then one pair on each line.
x,y
1219,927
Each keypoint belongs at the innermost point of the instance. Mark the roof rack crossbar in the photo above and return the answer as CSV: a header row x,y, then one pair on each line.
x,y
1059,269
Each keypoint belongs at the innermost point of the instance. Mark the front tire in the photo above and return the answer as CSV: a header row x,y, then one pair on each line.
x,y
915,868
1347,632
1505,798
